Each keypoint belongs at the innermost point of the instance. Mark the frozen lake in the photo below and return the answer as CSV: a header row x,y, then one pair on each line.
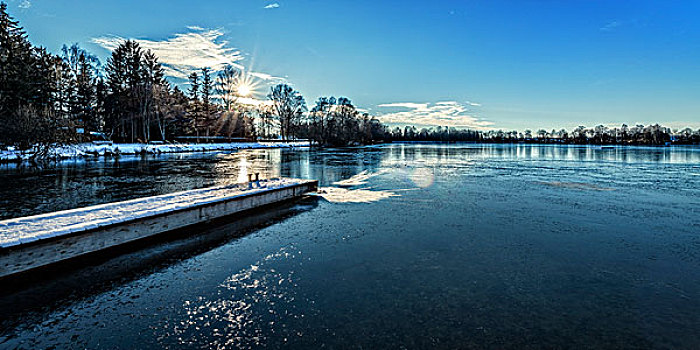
x,y
409,245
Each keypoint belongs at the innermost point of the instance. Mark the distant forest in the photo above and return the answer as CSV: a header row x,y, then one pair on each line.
x,y
48,99
599,135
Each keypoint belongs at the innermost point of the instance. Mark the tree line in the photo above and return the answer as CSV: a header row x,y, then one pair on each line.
x,y
48,99
601,135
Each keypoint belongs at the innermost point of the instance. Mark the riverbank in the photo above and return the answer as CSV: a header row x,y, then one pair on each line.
x,y
88,150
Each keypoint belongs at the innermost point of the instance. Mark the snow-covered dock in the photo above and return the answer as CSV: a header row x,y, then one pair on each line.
x,y
30,242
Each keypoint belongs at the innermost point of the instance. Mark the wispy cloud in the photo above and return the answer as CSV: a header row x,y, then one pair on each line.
x,y
273,5
187,52
445,113
23,4
617,24
268,77
610,26
410,105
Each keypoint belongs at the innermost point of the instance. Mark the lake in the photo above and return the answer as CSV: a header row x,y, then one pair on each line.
x,y
406,246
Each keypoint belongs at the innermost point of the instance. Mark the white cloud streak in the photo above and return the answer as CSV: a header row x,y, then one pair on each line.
x,y
265,76
273,5
445,113
410,105
610,26
185,53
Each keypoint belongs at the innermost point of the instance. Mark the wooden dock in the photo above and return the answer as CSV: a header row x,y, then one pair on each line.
x,y
31,242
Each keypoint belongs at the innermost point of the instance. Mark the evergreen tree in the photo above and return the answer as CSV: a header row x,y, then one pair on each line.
x,y
207,88
101,107
17,61
30,83
86,96
130,92
194,109
182,122
117,99
83,69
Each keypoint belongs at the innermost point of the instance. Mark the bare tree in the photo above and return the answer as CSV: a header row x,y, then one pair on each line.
x,y
267,121
227,82
289,106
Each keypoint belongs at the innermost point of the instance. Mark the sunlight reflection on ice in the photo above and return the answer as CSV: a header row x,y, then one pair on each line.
x,y
422,177
248,303
243,169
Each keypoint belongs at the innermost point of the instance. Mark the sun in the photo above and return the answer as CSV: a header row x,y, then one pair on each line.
x,y
244,89
246,85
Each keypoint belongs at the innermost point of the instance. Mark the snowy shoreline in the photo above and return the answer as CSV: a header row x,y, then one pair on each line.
x,y
91,150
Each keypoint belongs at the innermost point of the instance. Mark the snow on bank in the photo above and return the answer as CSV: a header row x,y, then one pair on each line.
x,y
347,191
362,195
84,150
359,179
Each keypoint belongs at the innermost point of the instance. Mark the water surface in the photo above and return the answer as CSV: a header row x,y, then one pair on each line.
x,y
470,246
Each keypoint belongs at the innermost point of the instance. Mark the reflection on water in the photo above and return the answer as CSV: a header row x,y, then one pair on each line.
x,y
424,246
27,190
244,310
242,169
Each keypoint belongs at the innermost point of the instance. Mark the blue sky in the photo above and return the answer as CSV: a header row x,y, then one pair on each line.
x,y
483,64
